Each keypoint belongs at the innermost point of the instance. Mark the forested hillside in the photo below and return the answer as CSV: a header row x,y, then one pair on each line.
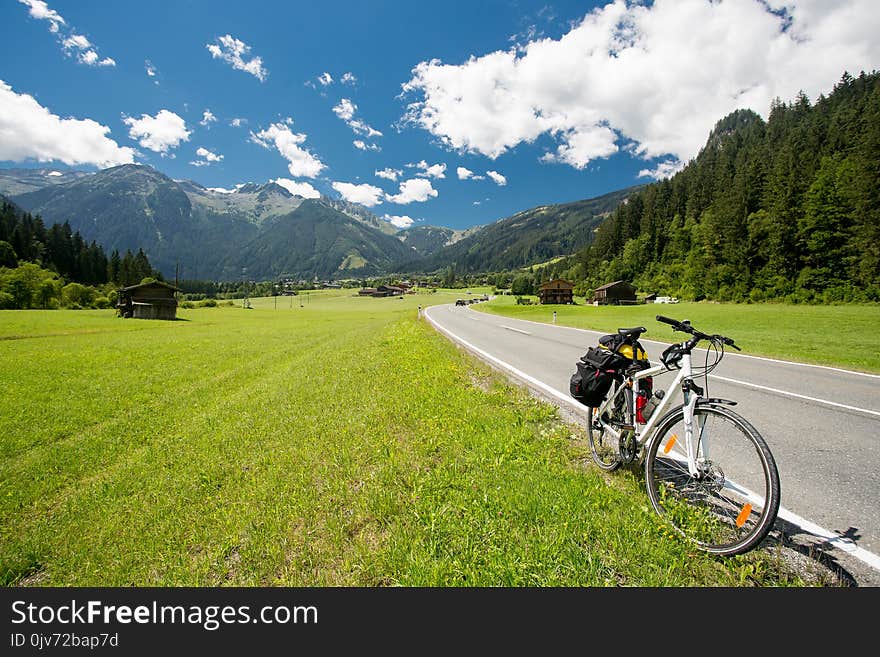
x,y
787,208
43,267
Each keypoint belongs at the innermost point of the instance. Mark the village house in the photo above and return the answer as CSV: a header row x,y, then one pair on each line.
x,y
151,300
556,291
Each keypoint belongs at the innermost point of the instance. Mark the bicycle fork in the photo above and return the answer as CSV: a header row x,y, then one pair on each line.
x,y
695,441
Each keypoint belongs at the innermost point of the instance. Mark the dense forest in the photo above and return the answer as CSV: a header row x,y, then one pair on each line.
x,y
783,209
46,267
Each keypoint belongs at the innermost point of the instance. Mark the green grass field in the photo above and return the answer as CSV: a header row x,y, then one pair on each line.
x,y
845,336
341,443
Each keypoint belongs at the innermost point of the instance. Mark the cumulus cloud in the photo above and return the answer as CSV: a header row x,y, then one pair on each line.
x,y
72,44
348,78
658,75
430,170
345,110
360,144
464,173
415,190
237,122
367,195
151,70
389,174
207,157
399,221
301,162
233,52
158,133
207,118
497,178
325,79
29,131
40,10
303,189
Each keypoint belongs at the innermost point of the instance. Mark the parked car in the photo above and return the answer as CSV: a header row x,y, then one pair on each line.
x,y
461,302
665,300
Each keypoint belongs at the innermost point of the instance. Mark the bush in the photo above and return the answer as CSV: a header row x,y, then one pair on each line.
x,y
74,295
187,304
208,303
101,302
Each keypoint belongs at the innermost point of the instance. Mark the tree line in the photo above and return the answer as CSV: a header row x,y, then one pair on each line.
x,y
783,209
44,267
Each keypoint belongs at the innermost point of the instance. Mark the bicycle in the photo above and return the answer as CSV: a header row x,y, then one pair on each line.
x,y
708,471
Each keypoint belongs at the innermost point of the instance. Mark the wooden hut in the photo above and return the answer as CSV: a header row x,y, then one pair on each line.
x,y
556,291
153,300
615,293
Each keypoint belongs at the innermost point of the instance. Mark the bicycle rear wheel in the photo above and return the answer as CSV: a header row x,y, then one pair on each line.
x,y
732,503
604,447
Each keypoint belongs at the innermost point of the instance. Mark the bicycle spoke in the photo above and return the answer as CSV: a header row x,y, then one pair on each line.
x,y
730,505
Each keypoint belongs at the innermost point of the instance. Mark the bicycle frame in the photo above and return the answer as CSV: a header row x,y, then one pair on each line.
x,y
642,433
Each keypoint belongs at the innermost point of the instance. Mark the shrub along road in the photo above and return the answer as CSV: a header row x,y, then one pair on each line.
x,y
821,423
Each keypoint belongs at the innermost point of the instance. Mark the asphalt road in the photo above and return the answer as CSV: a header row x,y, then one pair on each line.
x,y
822,424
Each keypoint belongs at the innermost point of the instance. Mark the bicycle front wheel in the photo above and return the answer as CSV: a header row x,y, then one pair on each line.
x,y
730,505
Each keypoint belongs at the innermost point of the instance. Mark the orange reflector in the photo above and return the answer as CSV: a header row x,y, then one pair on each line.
x,y
743,515
669,445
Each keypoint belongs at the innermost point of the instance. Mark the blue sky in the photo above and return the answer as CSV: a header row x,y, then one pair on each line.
x,y
452,114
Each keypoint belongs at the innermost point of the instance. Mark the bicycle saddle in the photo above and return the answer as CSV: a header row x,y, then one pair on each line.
x,y
634,332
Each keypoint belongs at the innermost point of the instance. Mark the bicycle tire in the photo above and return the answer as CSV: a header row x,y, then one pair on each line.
x,y
604,448
732,507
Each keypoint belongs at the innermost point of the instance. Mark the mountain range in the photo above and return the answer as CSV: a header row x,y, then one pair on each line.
x,y
262,231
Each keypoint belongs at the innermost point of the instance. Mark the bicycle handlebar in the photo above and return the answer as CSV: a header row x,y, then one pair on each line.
x,y
685,327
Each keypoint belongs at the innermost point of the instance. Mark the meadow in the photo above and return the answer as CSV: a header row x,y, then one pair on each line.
x,y
341,442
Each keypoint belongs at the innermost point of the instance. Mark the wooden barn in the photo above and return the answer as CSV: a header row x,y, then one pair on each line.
x,y
154,300
616,293
556,291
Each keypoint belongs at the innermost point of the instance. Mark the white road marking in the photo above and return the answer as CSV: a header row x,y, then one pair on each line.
x,y
794,394
510,328
830,537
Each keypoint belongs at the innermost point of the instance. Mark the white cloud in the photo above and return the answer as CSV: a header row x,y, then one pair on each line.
x,y
222,190
466,174
662,170
362,145
40,10
303,189
207,118
159,133
497,178
348,78
233,51
207,157
29,131
76,41
237,122
389,173
150,69
657,74
431,170
345,110
325,79
71,43
301,163
367,195
399,221
415,190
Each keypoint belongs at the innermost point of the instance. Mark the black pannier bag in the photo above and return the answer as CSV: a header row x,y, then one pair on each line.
x,y
596,371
